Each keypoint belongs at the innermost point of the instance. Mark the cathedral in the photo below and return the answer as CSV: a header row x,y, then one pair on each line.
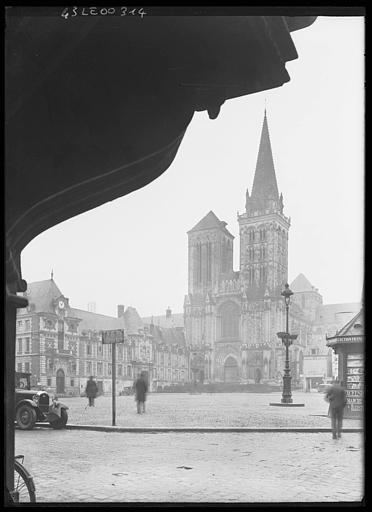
x,y
232,317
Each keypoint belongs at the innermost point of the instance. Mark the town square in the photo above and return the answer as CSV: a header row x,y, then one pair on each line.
x,y
229,447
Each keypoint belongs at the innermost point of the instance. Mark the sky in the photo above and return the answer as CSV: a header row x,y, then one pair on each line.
x,y
133,251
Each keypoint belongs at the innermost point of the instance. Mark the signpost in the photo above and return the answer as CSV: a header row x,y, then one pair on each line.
x,y
111,338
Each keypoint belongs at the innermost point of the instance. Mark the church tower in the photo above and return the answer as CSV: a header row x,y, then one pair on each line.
x,y
210,260
210,254
263,229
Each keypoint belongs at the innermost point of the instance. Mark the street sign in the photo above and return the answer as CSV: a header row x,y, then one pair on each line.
x,y
111,338
286,335
114,336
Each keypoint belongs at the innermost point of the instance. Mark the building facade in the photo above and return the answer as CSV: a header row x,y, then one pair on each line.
x,y
319,361
61,346
233,316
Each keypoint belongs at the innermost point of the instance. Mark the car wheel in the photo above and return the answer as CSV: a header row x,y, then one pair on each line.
x,y
26,417
61,422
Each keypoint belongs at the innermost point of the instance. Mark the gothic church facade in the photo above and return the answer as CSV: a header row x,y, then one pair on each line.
x,y
232,317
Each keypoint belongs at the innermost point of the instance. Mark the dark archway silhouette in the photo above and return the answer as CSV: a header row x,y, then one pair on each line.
x,y
91,130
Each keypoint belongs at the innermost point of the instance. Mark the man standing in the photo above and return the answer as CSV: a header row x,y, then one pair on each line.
x,y
141,387
91,391
336,397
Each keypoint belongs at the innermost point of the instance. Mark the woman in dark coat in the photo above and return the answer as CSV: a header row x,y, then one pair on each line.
x,y
141,387
91,390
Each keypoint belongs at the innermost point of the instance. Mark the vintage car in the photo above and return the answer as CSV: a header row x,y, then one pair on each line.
x,y
36,405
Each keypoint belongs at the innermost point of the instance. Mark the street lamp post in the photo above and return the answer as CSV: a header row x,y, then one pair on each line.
x,y
287,340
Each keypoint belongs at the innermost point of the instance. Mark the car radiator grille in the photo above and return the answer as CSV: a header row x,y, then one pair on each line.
x,y
44,402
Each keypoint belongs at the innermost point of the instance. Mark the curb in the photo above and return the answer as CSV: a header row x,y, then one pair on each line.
x,y
206,430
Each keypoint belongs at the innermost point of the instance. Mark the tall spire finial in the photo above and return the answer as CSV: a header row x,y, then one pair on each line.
x,y
51,275
265,188
265,108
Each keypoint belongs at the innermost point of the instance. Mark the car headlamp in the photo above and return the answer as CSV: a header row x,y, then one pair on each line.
x,y
35,398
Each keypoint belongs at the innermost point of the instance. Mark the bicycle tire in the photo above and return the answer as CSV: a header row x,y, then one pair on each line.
x,y
23,484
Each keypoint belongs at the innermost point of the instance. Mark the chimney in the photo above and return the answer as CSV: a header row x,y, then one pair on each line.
x,y
168,313
92,307
120,310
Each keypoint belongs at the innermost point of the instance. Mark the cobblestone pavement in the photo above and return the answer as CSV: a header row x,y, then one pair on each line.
x,y
206,410
84,466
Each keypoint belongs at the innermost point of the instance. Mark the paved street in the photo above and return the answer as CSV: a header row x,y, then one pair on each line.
x,y
82,466
206,410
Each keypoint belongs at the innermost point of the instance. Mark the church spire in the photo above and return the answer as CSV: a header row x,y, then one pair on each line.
x,y
265,188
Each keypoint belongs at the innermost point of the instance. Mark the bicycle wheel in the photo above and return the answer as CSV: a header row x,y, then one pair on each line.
x,y
24,487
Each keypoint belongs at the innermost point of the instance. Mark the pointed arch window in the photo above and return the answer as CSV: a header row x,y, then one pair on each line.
x,y
223,256
262,274
226,250
199,262
209,261
251,276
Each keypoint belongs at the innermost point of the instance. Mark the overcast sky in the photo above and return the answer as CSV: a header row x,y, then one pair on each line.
x,y
133,251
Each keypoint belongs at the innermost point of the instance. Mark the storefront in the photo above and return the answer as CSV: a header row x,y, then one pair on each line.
x,y
348,344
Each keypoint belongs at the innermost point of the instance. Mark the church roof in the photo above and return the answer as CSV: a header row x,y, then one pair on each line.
x,y
264,184
42,294
301,284
210,221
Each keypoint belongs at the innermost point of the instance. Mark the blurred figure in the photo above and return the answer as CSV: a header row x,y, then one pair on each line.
x,y
141,388
91,390
336,396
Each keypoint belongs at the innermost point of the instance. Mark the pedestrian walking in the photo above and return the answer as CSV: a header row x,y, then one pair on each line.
x,y
91,391
336,396
141,388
